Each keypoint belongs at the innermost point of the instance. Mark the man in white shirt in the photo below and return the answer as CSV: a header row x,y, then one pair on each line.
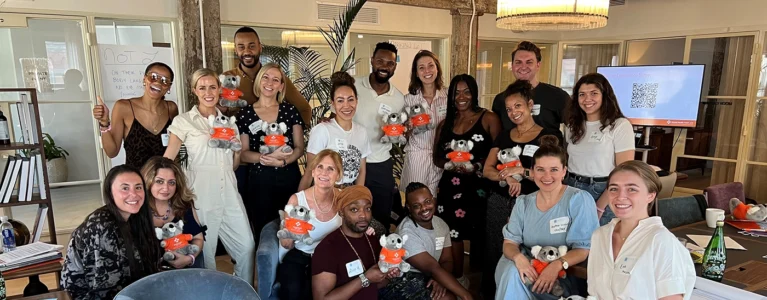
x,y
376,97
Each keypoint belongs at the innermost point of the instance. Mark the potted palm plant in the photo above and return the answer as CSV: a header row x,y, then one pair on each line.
x,y
56,160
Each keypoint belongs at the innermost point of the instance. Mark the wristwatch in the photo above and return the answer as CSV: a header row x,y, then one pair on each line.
x,y
365,281
565,265
527,173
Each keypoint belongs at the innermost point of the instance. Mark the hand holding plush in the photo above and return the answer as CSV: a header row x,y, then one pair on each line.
x,y
392,253
222,133
752,212
508,158
173,240
230,93
275,138
394,128
460,157
543,256
420,119
295,224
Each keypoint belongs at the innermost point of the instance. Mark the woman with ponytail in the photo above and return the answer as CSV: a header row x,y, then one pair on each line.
x,y
556,215
116,244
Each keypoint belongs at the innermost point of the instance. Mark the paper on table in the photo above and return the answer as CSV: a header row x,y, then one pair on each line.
x,y
702,240
711,290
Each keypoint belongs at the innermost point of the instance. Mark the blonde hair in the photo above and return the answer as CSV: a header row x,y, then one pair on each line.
x,y
200,73
257,86
648,176
183,199
333,156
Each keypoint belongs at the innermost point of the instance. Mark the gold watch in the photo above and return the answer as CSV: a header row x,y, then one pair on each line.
x,y
565,265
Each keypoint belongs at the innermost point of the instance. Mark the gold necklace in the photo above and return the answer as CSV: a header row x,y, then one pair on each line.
x,y
318,205
520,133
355,250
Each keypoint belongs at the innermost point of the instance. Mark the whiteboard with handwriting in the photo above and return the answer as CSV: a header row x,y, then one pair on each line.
x,y
122,75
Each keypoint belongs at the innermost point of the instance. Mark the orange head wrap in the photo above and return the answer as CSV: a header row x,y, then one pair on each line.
x,y
351,194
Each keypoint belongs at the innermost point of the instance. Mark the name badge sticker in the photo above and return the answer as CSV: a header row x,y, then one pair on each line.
x,y
384,109
255,127
626,265
559,225
529,150
440,243
341,145
165,139
354,268
595,137
442,111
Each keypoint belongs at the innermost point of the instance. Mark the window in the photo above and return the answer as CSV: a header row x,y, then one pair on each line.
x,y
494,68
581,59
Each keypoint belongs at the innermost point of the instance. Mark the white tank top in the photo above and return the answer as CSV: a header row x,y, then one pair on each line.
x,y
321,229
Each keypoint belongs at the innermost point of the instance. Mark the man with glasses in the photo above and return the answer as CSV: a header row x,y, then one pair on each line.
x,y
376,97
549,101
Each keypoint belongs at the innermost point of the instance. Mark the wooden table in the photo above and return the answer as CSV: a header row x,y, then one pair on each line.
x,y
745,270
59,295
53,267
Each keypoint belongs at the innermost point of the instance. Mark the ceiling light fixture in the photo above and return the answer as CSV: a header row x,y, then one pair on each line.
x,y
551,15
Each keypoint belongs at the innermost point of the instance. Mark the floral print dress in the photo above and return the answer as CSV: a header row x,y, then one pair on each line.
x,y
461,197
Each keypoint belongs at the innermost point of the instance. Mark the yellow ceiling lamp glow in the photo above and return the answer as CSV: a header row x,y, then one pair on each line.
x,y
551,15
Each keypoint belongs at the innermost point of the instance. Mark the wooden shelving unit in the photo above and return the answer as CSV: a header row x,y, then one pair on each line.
x,y
16,146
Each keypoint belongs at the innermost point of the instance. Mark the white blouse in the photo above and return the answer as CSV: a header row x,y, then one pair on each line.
x,y
651,264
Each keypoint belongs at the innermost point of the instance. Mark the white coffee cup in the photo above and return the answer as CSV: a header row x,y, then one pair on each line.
x,y
713,215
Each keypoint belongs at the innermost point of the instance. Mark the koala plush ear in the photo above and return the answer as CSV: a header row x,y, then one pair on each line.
x,y
264,126
312,214
385,118
211,118
232,120
471,144
403,116
407,109
180,224
382,241
222,78
283,127
452,144
158,232
562,251
404,238
534,251
516,150
288,208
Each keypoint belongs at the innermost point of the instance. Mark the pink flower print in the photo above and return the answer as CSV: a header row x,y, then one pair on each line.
x,y
457,196
460,213
456,181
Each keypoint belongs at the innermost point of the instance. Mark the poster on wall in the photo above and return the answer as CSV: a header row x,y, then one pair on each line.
x,y
36,74
406,51
122,74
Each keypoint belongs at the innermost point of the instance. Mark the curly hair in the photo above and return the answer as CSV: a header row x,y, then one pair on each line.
x,y
182,200
575,117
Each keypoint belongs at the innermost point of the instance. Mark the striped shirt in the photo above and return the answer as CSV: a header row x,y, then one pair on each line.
x,y
418,152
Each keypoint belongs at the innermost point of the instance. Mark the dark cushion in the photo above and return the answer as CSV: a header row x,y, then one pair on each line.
x,y
681,211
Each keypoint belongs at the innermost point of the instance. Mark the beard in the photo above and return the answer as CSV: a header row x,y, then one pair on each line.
x,y
352,225
251,65
380,79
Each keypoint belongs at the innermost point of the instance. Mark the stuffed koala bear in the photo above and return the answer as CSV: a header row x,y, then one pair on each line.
x,y
394,130
392,253
741,211
508,158
420,119
542,257
460,157
230,94
222,133
173,240
275,138
295,224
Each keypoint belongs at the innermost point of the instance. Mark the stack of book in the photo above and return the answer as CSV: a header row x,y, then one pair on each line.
x,y
26,173
30,256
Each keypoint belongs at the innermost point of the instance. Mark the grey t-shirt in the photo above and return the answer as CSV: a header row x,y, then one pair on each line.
x,y
420,239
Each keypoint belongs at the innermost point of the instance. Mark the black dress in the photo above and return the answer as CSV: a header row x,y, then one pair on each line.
x,y
499,204
460,197
269,188
141,144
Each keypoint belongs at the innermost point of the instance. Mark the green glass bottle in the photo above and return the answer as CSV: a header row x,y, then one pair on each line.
x,y
715,257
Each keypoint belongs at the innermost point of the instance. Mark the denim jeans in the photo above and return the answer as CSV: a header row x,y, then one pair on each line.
x,y
595,189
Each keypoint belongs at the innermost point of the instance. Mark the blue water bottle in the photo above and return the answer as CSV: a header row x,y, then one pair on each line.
x,y
9,240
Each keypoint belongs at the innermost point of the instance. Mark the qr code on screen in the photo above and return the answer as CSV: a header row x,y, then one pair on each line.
x,y
643,95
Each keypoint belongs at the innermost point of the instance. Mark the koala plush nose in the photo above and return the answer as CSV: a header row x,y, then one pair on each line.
x,y
551,252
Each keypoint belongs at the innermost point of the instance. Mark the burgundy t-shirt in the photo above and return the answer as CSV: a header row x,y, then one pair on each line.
x,y
333,253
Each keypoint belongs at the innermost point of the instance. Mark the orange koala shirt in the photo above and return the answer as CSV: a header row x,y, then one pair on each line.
x,y
394,129
274,140
222,133
510,164
741,211
459,156
230,94
392,256
177,242
297,226
539,266
420,120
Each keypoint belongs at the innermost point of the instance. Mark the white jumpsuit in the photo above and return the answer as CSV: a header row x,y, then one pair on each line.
x,y
219,205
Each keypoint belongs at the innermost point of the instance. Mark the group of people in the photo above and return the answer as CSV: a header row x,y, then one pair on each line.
x,y
565,187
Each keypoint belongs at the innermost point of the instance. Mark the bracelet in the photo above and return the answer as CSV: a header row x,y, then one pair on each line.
x,y
105,130
602,210
192,256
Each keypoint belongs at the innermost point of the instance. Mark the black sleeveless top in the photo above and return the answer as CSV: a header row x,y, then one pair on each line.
x,y
141,144
477,134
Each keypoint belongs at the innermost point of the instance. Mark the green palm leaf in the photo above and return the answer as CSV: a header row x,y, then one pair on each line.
x,y
349,62
337,32
278,55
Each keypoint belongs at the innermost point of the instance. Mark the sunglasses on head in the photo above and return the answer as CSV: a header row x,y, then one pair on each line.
x,y
154,77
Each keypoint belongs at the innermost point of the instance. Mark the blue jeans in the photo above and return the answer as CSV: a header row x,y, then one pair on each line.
x,y
595,189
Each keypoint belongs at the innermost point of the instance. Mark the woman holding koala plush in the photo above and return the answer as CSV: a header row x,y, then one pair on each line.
x,y
272,134
466,135
213,145
508,165
548,231
171,200
635,255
